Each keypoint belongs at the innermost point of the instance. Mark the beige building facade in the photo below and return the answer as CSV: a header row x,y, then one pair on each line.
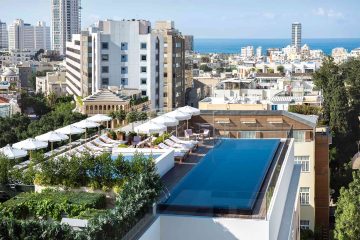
x,y
174,65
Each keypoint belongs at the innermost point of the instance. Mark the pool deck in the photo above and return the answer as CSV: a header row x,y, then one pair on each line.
x,y
172,178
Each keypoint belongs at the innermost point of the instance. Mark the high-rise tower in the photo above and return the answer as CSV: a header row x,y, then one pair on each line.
x,y
66,20
296,35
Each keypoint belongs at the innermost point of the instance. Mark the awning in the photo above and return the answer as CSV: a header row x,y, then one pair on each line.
x,y
248,120
275,120
222,120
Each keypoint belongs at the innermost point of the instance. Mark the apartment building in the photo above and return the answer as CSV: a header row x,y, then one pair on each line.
x,y
310,150
79,65
66,20
4,41
24,36
53,82
174,64
247,52
118,53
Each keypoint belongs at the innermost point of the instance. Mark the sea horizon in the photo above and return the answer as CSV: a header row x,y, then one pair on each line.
x,y
233,45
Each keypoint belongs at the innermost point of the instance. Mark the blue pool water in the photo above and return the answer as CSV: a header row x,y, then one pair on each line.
x,y
228,177
129,157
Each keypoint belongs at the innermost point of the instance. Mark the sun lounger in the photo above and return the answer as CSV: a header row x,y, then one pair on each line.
x,y
108,140
100,143
175,145
178,153
190,143
93,148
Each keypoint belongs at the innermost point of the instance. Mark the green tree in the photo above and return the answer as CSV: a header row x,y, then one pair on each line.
x,y
205,68
131,117
347,215
4,168
280,69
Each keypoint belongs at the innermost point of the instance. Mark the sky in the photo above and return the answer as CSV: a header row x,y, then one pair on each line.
x,y
213,18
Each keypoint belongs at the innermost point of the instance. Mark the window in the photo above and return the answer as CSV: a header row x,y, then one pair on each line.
x,y
274,107
304,195
304,224
124,81
304,161
143,45
104,45
105,57
143,69
143,81
143,92
124,70
299,136
105,81
178,45
165,74
143,57
104,69
124,58
248,134
124,46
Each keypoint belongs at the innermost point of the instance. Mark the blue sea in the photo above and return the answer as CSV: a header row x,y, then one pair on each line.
x,y
203,45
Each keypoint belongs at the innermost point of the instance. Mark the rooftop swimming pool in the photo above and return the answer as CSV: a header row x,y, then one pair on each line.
x,y
229,177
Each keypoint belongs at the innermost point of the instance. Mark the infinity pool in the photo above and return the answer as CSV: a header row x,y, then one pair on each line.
x,y
228,177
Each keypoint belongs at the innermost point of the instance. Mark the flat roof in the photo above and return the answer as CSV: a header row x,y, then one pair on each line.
x,y
227,180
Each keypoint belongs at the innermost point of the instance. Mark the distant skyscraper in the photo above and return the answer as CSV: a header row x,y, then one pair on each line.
x,y
296,35
3,36
23,36
42,36
66,20
189,43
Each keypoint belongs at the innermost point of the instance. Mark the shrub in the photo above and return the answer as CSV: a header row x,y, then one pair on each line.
x,y
51,204
40,230
161,138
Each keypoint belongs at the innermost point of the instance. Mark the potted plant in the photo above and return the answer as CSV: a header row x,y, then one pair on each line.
x,y
121,135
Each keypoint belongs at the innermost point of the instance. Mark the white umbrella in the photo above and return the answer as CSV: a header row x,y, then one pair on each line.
x,y
99,118
150,128
52,137
13,153
190,110
85,124
179,115
70,130
166,120
30,144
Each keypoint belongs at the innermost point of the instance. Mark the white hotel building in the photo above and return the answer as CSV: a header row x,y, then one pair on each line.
x,y
118,53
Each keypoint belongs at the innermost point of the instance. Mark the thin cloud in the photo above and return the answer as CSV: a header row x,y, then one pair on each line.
x,y
330,13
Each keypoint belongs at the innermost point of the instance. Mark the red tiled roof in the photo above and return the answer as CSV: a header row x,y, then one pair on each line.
x,y
4,100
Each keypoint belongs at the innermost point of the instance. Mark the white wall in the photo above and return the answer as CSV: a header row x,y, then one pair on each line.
x,y
153,232
163,163
198,228
278,200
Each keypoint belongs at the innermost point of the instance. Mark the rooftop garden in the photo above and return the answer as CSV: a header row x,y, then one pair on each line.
x,y
136,182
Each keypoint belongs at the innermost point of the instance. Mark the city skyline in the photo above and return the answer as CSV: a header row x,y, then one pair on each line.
x,y
229,18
